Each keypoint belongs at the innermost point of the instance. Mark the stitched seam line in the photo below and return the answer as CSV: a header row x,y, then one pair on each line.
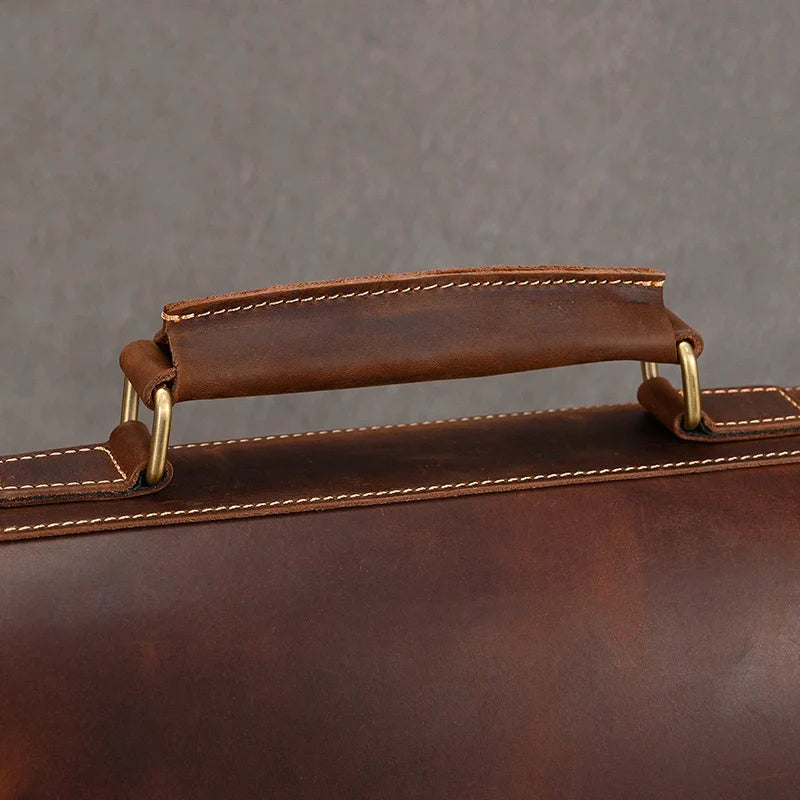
x,y
409,491
478,418
765,420
119,469
752,390
791,400
123,477
424,424
55,485
11,459
406,290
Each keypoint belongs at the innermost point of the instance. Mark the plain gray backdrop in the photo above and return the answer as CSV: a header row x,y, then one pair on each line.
x,y
159,150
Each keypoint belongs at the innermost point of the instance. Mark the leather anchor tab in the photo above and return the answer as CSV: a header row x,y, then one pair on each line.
x,y
751,412
89,472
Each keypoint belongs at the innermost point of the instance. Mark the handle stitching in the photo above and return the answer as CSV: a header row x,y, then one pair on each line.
x,y
406,491
375,293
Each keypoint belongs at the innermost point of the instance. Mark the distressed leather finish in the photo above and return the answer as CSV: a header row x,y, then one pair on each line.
x,y
83,473
401,328
324,470
94,472
565,604
621,632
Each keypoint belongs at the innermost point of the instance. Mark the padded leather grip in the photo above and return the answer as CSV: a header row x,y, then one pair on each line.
x,y
402,328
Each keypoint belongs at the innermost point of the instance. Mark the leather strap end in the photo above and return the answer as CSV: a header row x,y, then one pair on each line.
x,y
685,333
753,412
92,472
664,402
147,367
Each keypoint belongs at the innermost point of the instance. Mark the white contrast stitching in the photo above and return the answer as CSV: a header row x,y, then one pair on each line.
x,y
510,415
10,459
406,491
119,469
35,456
754,389
406,290
424,424
764,421
791,400
751,390
54,485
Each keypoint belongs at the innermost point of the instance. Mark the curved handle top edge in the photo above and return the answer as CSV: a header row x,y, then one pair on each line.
x,y
238,302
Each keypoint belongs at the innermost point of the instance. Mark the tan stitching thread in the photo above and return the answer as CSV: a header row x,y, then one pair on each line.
x,y
47,455
764,421
376,293
742,390
789,399
123,477
751,390
119,469
407,491
55,485
478,418
425,424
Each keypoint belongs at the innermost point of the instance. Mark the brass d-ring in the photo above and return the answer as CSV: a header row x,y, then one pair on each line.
x,y
692,394
162,425
649,370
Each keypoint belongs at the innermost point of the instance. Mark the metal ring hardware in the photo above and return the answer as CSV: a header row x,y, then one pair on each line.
x,y
159,434
692,394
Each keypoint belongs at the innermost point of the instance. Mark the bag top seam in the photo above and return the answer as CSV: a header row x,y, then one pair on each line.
x,y
68,524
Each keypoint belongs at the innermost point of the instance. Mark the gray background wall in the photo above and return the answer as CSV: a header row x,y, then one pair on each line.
x,y
160,150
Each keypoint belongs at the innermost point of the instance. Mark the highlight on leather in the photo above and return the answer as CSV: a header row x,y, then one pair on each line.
x,y
403,328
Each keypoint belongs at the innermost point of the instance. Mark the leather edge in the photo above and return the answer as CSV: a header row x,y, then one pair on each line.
x,y
543,272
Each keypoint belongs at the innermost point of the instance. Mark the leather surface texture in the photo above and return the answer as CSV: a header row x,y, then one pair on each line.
x,y
421,326
322,470
569,604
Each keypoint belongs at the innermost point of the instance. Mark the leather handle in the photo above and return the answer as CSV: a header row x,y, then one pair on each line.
x,y
402,328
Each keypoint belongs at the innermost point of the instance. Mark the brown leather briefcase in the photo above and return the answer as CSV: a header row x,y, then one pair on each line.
x,y
582,603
